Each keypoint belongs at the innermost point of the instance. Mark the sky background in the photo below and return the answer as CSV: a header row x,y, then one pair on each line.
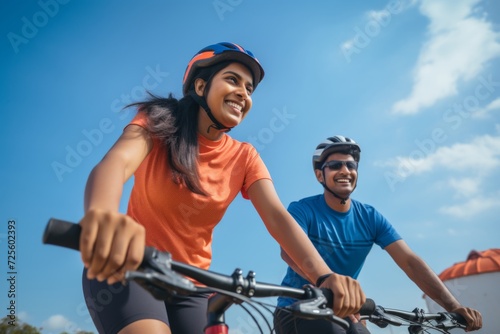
x,y
415,83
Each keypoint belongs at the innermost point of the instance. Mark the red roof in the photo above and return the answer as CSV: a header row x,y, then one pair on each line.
x,y
476,263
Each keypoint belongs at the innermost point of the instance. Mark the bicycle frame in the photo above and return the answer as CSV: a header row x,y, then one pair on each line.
x,y
216,314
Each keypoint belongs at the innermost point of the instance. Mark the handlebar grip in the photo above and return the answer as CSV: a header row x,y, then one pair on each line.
x,y
62,233
366,309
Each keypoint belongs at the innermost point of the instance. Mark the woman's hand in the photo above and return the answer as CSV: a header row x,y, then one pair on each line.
x,y
110,244
348,297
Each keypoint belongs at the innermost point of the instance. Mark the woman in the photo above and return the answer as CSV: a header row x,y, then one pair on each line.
x,y
187,171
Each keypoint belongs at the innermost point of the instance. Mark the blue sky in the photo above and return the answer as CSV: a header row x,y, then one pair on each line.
x,y
416,83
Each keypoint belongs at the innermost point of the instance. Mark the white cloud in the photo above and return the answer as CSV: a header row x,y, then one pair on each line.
x,y
58,323
465,186
459,46
466,157
375,21
392,7
472,207
484,113
458,157
477,160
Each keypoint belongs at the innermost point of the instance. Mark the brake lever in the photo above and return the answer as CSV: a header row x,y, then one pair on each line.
x,y
156,276
314,307
448,321
162,286
157,261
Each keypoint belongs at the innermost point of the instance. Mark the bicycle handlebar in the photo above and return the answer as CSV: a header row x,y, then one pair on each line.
x,y
417,321
159,275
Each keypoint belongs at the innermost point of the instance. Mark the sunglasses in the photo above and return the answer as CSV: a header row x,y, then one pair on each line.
x,y
337,164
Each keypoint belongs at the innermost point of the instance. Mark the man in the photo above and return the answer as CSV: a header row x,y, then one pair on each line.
x,y
344,230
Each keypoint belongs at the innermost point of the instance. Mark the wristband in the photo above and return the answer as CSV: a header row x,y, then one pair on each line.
x,y
321,279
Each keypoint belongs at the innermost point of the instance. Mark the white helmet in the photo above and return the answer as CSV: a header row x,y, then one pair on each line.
x,y
335,144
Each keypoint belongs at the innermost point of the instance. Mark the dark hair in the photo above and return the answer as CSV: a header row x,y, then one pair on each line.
x,y
175,123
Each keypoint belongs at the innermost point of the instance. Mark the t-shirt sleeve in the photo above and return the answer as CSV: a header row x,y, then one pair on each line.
x,y
255,170
140,119
296,209
386,233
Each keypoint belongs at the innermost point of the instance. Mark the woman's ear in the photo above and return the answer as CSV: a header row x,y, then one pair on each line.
x,y
199,86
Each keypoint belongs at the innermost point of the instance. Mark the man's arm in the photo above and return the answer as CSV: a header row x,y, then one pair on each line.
x,y
425,278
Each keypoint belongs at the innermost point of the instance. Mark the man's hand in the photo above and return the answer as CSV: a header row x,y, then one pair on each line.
x,y
473,318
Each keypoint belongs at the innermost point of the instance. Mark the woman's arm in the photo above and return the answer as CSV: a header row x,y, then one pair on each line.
x,y
284,229
425,278
111,242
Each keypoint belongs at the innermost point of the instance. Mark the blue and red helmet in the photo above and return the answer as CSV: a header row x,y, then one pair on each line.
x,y
220,52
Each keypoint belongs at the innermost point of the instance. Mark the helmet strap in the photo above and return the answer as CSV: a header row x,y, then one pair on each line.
x,y
343,200
203,103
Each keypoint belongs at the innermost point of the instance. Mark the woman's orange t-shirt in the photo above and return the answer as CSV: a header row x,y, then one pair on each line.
x,y
179,221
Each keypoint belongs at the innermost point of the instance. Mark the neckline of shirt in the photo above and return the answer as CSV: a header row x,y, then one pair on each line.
x,y
211,144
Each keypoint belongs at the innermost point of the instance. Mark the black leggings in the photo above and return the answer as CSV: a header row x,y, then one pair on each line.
x,y
286,323
112,307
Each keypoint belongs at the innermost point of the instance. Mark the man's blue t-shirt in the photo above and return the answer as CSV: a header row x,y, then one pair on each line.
x,y
343,239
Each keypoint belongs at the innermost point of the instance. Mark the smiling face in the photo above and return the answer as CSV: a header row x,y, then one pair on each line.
x,y
341,181
229,95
